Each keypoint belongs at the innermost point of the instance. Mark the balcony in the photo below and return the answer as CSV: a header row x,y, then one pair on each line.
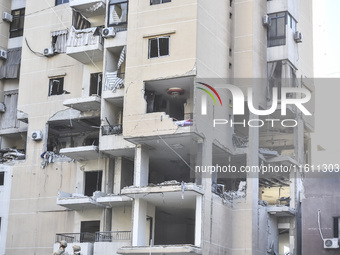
x,y
85,45
89,8
81,153
84,240
114,200
161,249
113,90
79,201
113,143
84,104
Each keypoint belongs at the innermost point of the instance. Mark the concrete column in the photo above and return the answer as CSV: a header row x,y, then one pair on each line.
x,y
117,175
198,221
107,219
109,175
139,222
141,173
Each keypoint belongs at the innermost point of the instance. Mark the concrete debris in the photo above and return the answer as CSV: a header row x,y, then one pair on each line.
x,y
50,157
7,155
183,188
183,123
240,142
232,195
268,153
169,183
262,203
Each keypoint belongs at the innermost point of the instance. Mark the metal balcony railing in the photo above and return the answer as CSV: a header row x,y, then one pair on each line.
x,y
112,130
113,236
76,237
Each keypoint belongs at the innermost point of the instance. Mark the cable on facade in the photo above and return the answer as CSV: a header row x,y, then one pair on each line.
x,y
35,52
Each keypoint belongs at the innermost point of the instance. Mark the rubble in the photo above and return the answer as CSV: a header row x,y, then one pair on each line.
x,y
50,157
7,155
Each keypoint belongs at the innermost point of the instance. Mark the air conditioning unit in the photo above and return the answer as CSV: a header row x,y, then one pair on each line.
x,y
220,188
7,17
331,243
48,52
2,107
108,32
3,54
266,21
298,37
37,135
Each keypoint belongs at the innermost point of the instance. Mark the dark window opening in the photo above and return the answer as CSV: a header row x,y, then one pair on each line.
x,y
174,227
56,86
159,47
96,84
118,15
153,2
79,21
336,227
88,230
93,182
231,3
2,178
58,2
17,25
277,29
230,52
230,15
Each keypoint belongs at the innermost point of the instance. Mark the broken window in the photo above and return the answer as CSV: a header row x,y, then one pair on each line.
x,y
56,86
277,29
153,2
96,84
59,40
118,13
88,230
93,182
159,46
2,178
17,24
58,2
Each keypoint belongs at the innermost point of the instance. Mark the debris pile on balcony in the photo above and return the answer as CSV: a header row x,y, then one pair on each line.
x,y
230,196
240,142
7,155
50,157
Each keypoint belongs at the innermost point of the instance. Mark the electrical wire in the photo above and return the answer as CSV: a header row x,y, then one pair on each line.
x,y
35,52
319,224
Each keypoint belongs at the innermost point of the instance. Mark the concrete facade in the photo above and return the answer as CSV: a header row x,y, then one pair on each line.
x,y
122,129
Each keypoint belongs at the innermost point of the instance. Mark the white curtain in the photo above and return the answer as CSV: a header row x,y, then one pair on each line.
x,y
60,43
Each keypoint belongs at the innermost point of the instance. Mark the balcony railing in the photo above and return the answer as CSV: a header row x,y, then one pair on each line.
x,y
112,130
113,236
76,237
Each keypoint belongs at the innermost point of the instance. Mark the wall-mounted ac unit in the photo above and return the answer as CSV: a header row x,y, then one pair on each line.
x,y
220,188
331,243
48,52
3,54
298,37
108,32
7,17
37,135
266,21
2,108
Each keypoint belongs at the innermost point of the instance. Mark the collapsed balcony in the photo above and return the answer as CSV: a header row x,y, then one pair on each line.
x,y
12,147
89,8
75,138
85,45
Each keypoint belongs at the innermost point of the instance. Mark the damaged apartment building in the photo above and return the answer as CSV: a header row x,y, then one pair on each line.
x,y
104,120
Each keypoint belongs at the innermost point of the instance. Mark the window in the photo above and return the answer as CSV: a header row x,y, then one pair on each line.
x,y
2,178
277,29
17,25
159,47
291,22
87,230
96,84
59,39
93,182
153,2
57,2
336,227
56,86
118,13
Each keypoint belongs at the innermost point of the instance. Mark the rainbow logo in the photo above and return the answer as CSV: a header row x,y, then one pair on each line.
x,y
209,93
